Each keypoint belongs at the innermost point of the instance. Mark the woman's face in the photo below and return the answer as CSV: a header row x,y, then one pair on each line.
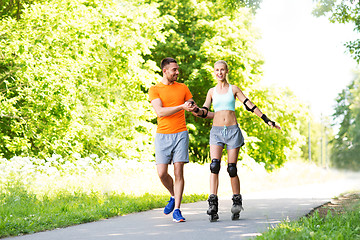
x,y
220,71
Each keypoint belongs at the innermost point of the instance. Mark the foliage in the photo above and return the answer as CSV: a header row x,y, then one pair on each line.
x,y
271,146
204,32
14,8
233,4
320,135
346,149
253,4
73,82
344,11
77,82
346,144
314,138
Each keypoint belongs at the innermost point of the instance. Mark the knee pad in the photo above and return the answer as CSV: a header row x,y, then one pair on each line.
x,y
215,166
232,170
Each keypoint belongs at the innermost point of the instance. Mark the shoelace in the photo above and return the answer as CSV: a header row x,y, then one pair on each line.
x,y
224,132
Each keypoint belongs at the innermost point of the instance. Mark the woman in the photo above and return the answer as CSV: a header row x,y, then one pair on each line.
x,y
225,131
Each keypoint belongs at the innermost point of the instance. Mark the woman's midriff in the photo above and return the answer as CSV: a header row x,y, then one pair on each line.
x,y
224,118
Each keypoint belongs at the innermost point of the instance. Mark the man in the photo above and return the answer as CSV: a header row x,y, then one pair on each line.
x,y
170,99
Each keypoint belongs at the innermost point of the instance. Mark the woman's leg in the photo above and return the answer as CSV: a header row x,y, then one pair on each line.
x,y
215,153
233,155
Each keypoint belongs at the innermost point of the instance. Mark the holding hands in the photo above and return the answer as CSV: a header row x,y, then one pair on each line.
x,y
202,112
190,106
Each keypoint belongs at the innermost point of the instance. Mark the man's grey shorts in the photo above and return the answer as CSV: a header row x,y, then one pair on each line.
x,y
230,136
172,147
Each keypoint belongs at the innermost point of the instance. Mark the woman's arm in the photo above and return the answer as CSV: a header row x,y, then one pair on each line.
x,y
250,106
203,112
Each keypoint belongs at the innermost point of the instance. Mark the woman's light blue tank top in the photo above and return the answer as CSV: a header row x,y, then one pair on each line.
x,y
224,101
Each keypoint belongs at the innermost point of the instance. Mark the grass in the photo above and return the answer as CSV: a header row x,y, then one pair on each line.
x,y
23,212
338,221
38,195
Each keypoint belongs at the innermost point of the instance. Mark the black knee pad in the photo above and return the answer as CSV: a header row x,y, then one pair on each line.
x,y
215,166
232,170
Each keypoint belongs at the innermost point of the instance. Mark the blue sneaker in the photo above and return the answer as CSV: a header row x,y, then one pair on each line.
x,y
170,206
177,217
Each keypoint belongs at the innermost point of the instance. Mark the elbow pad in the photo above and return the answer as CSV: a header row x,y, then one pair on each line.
x,y
249,109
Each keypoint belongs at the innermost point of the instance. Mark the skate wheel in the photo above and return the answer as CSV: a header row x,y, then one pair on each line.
x,y
235,216
214,218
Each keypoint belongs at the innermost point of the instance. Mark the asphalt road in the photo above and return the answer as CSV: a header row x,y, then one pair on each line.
x,y
262,210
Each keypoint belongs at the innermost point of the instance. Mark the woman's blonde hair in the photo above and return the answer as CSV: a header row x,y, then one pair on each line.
x,y
222,62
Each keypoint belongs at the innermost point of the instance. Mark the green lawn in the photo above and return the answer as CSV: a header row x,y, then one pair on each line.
x,y
22,212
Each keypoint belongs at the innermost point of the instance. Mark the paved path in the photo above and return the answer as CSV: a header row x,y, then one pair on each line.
x,y
261,211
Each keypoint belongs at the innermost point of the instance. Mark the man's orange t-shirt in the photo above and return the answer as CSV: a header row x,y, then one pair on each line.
x,y
171,96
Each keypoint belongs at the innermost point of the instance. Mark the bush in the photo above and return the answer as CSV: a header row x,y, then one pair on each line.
x,y
73,78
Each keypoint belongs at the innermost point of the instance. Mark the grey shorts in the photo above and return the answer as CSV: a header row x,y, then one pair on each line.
x,y
172,147
230,136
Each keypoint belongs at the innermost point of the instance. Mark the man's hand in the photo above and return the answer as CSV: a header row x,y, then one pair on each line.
x,y
190,106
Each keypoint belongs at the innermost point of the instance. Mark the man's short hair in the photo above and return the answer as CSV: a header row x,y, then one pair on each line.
x,y
166,61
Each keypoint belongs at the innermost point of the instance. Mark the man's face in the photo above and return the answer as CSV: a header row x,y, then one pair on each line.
x,y
171,72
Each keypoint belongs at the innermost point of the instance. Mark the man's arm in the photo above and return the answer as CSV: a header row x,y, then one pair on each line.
x,y
167,111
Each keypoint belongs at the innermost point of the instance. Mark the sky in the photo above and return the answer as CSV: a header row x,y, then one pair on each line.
x,y
304,53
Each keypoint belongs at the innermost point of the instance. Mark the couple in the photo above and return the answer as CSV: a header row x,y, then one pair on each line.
x,y
169,100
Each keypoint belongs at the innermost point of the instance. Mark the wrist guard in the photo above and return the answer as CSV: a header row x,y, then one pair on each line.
x,y
204,115
267,120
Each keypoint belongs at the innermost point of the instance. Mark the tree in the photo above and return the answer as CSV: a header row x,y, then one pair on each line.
x,y
344,11
75,76
14,8
203,32
346,144
234,4
316,131
269,146
72,74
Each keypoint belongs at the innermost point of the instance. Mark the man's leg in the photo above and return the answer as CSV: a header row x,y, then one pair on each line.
x,y
179,182
165,178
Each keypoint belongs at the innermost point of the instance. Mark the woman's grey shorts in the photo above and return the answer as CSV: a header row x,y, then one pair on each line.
x,y
230,136
172,147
